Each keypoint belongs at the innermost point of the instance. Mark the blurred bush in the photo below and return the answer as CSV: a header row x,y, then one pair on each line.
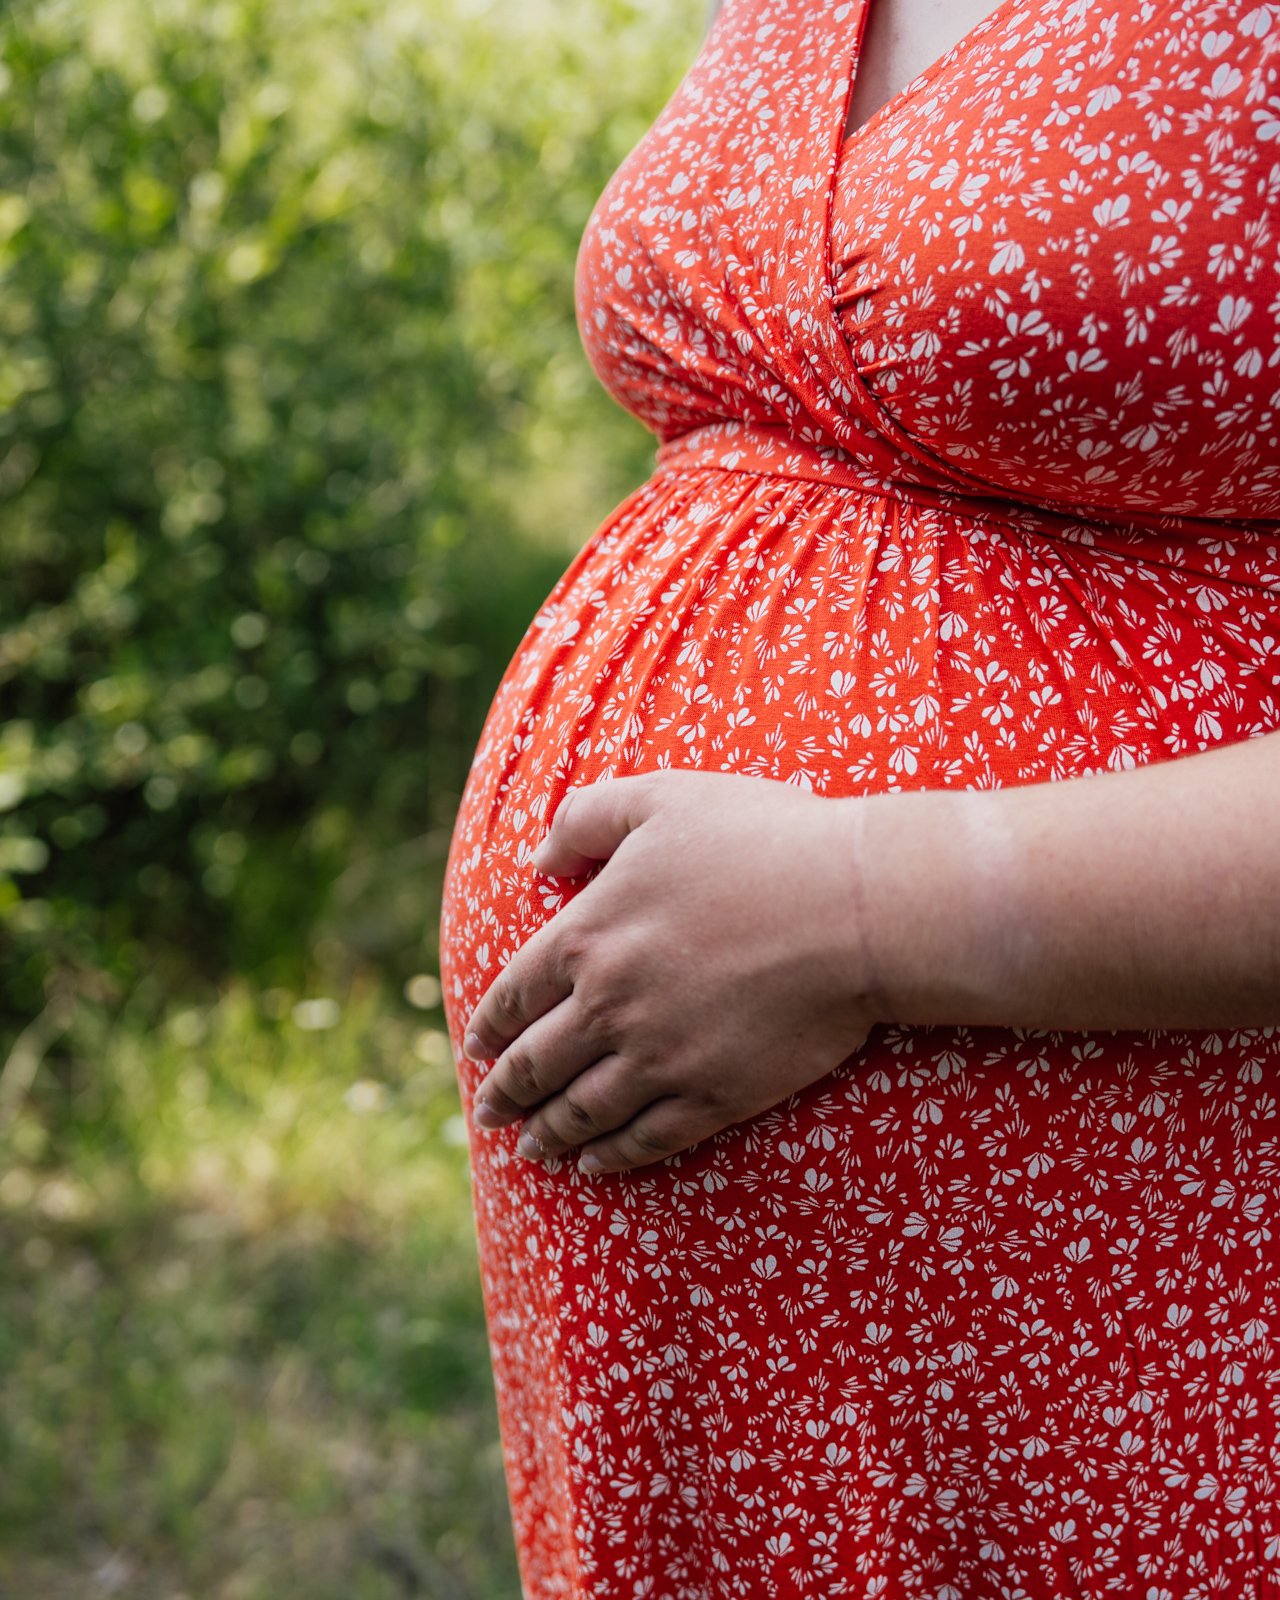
x,y
243,1343
292,416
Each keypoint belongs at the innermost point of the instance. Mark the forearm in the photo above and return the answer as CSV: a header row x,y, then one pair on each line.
x,y
1141,899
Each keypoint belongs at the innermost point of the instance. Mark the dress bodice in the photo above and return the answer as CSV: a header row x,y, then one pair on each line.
x,y
1037,274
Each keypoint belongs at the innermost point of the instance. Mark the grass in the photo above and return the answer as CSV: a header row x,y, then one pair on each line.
x,y
243,1348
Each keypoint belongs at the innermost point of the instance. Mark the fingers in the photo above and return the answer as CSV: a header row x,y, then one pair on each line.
x,y
663,1129
603,1098
533,981
590,823
607,1112
547,1055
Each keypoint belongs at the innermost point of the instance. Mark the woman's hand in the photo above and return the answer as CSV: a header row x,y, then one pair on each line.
x,y
714,966
744,936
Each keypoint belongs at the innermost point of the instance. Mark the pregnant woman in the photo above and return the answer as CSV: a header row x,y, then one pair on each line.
x,y
901,1210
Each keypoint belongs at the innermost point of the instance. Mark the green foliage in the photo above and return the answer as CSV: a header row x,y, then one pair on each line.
x,y
290,411
242,1339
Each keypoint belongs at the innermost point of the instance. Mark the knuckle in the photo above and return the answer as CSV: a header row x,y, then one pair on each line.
x,y
651,1143
649,784
596,1010
715,1100
523,1082
581,1122
496,1013
505,998
574,942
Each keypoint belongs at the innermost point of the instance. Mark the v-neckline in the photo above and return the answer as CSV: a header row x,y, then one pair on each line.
x,y
922,79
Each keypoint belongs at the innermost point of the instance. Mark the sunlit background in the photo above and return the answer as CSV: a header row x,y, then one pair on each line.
x,y
295,434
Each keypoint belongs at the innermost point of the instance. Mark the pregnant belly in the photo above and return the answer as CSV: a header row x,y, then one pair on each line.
x,y
852,643
856,643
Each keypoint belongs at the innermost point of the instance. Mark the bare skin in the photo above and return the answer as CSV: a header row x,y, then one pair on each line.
x,y
744,937
902,39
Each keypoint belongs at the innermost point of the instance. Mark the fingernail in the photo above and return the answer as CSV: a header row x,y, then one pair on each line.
x,y
484,1116
538,857
472,1047
589,1163
529,1146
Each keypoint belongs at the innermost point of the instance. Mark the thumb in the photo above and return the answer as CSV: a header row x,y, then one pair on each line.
x,y
590,823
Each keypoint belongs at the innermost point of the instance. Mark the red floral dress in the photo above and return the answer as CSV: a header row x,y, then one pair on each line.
x,y
969,476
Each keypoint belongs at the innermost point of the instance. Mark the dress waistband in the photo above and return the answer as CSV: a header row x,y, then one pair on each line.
x,y
773,452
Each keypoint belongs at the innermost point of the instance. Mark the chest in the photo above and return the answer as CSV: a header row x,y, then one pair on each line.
x,y
1045,267
901,39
